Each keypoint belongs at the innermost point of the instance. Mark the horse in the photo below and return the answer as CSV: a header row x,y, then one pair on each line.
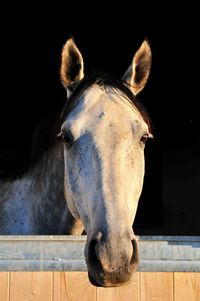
x,y
86,168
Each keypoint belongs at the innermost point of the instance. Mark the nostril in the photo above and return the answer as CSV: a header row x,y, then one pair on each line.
x,y
93,254
135,255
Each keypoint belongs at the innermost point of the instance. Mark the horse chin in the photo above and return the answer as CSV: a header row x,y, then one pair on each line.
x,y
94,282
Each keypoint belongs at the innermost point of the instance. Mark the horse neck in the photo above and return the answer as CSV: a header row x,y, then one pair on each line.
x,y
47,181
45,191
47,175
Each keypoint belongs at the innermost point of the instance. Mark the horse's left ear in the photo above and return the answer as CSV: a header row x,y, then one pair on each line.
x,y
72,69
138,72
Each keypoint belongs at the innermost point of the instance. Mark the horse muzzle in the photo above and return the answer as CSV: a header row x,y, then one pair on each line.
x,y
111,262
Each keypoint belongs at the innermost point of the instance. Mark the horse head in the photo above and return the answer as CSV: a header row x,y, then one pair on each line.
x,y
104,130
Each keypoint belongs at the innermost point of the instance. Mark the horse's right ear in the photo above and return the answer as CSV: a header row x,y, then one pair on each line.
x,y
72,69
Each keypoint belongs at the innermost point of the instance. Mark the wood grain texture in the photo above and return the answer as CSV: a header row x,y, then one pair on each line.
x,y
156,286
4,286
73,286
31,286
186,286
124,293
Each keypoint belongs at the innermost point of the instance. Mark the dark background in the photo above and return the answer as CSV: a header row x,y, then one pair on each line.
x,y
31,43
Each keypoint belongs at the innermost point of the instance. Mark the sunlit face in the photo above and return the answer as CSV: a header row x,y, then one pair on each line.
x,y
104,168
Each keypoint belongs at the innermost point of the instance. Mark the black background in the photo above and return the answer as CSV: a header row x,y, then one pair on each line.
x,y
31,43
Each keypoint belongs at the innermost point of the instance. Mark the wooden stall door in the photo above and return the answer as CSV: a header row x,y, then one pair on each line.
x,y
74,286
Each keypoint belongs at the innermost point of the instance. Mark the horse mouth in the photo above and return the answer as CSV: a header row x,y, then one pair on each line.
x,y
103,283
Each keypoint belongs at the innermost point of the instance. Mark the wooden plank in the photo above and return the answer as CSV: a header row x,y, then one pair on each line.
x,y
4,286
156,286
124,293
186,286
35,286
73,286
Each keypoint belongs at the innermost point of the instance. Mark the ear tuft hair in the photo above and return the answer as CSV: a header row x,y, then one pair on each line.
x,y
138,72
71,64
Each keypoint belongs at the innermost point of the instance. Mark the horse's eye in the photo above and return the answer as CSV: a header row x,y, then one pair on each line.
x,y
144,138
67,138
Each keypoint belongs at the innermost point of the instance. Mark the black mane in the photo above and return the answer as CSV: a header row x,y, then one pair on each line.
x,y
16,163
